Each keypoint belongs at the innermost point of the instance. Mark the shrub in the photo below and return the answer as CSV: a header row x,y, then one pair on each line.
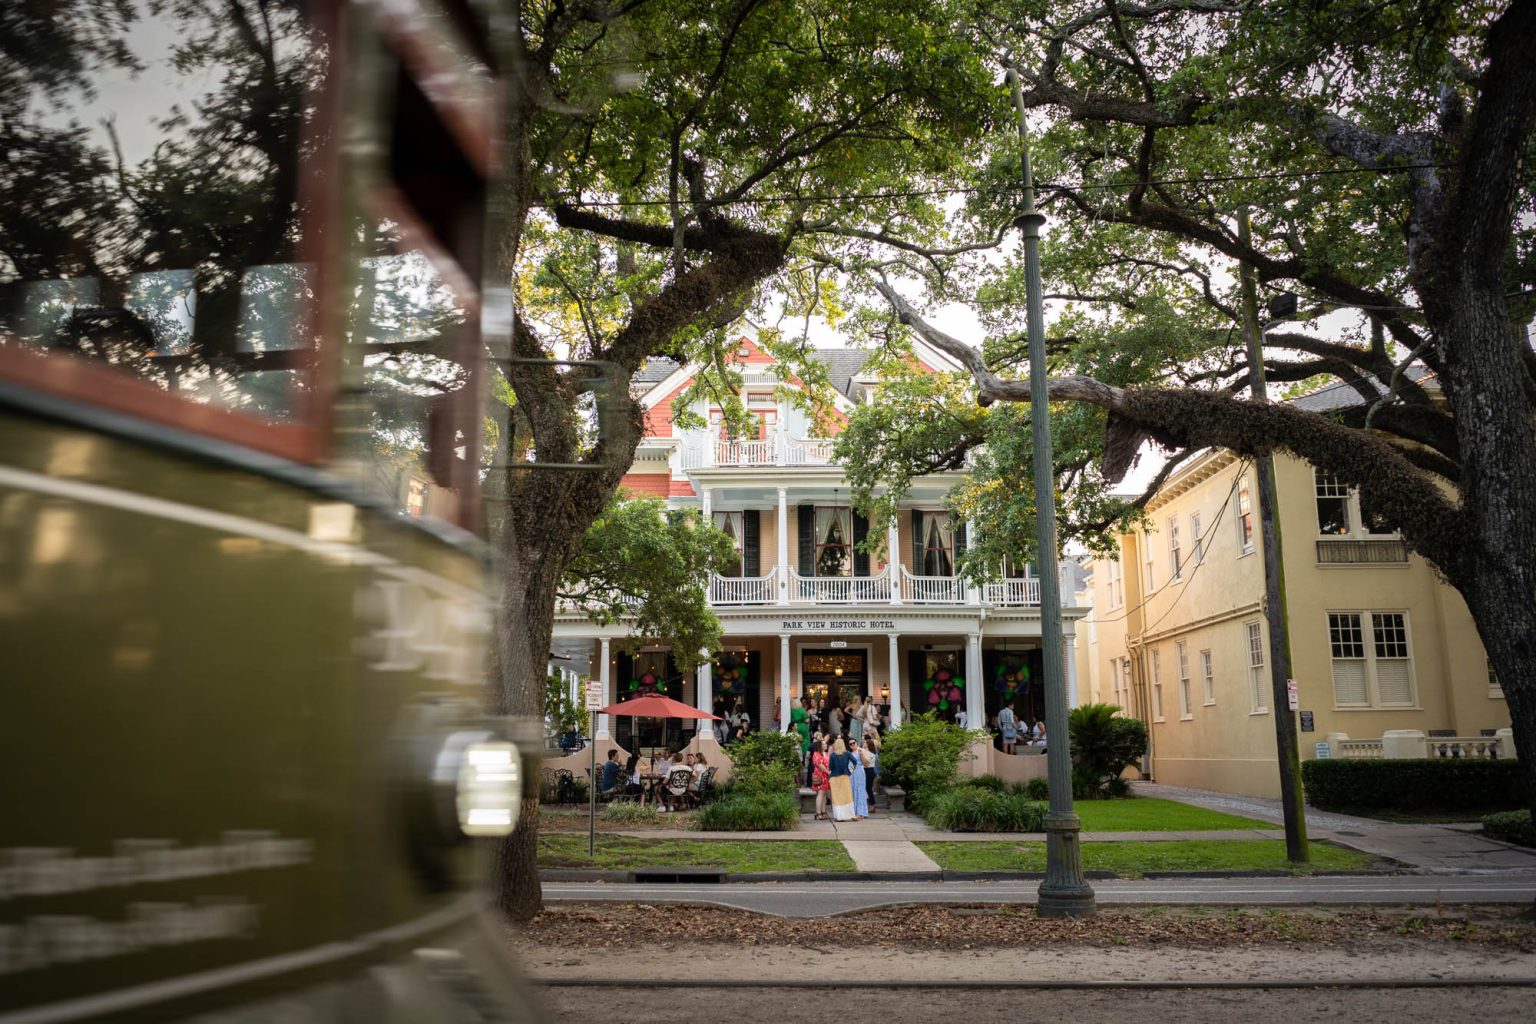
x,y
628,811
1104,744
989,782
921,756
750,812
1412,784
764,762
1035,789
1511,826
975,809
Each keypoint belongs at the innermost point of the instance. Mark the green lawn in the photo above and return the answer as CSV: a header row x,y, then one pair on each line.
x,y
1149,814
1132,859
622,853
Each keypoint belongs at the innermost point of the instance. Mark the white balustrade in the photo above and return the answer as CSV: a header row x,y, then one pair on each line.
x,y
745,589
1019,592
1483,748
839,589
931,589
1357,748
773,451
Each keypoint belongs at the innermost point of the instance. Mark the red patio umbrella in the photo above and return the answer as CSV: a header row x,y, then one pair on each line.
x,y
656,706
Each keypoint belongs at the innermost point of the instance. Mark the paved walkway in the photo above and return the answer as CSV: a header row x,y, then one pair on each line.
x,y
885,842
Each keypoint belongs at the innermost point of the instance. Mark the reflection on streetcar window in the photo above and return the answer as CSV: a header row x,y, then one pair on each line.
x,y
150,192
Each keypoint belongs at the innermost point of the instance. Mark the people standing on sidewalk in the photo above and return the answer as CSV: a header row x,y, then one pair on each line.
x,y
871,756
871,718
840,766
821,779
856,720
799,721
857,777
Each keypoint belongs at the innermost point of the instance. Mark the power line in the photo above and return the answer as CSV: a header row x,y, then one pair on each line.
x,y
1321,172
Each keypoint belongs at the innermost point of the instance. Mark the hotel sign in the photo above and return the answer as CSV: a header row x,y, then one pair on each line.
x,y
813,625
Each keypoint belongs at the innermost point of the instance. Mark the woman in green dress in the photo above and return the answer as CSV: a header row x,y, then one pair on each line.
x,y
802,725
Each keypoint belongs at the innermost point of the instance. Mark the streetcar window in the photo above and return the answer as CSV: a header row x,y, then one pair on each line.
x,y
152,194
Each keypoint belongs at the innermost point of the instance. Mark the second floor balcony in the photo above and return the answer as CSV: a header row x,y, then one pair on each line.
x,y
777,449
894,585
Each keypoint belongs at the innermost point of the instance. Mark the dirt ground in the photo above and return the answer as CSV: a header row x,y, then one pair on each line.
x,y
1356,949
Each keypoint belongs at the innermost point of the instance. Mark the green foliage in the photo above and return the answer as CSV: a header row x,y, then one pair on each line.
x,y
1412,784
922,756
989,782
750,812
641,560
560,711
764,763
1037,789
1104,744
630,812
970,808
1511,826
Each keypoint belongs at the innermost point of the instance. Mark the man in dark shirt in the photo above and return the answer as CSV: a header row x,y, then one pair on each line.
x,y
613,772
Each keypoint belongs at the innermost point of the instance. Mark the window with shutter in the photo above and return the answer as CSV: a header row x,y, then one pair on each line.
x,y
1347,646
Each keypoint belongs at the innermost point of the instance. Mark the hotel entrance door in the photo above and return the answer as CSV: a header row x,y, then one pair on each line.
x,y
834,676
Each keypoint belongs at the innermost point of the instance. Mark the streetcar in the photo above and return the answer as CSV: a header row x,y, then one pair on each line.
x,y
247,323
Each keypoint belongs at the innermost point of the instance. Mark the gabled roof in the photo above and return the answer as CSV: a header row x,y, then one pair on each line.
x,y
843,365
1339,395
655,370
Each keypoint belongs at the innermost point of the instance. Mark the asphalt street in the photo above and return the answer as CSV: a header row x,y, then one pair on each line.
x,y
815,899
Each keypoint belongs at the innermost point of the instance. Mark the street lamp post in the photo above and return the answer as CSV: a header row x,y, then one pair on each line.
x,y
1064,891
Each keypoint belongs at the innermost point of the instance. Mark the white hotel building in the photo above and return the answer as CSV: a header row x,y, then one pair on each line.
x,y
805,614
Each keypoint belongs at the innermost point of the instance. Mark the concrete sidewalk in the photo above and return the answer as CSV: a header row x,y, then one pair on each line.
x,y
1456,849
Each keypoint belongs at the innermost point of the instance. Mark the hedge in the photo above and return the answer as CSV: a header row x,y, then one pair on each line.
x,y
1411,784
1511,826
750,812
978,809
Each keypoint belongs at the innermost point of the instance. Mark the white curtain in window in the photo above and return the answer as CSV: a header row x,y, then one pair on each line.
x,y
938,546
729,523
834,535
1349,689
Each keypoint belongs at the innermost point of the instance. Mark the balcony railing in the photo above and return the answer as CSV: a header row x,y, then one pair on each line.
x,y
779,450
1361,552
745,589
840,589
1023,591
931,589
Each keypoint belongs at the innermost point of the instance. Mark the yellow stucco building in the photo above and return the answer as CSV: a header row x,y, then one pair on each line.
x,y
1379,646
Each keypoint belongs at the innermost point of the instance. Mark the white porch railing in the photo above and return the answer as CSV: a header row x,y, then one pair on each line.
x,y
745,589
779,450
1014,592
1412,743
931,589
840,589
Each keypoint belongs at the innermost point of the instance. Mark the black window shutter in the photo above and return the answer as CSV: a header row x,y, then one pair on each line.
x,y
917,671
751,548
623,674
917,543
860,532
807,540
959,541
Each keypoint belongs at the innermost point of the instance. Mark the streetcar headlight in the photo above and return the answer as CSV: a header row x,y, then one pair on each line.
x,y
490,788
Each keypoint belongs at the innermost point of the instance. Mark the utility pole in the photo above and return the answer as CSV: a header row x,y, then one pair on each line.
x,y
1064,891
1291,799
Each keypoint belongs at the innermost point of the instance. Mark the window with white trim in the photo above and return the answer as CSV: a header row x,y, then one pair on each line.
x,y
1208,675
1148,577
1244,517
1157,687
1196,539
730,524
1181,652
1372,663
1256,689
1116,583
1175,552
1339,512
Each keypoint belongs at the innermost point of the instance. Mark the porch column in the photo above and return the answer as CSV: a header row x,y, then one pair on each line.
x,y
973,591
783,672
896,690
783,537
605,676
703,686
893,545
573,679
975,701
1069,652
708,505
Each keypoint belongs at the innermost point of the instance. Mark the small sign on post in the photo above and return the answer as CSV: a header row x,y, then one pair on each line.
x,y
594,694
1292,699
